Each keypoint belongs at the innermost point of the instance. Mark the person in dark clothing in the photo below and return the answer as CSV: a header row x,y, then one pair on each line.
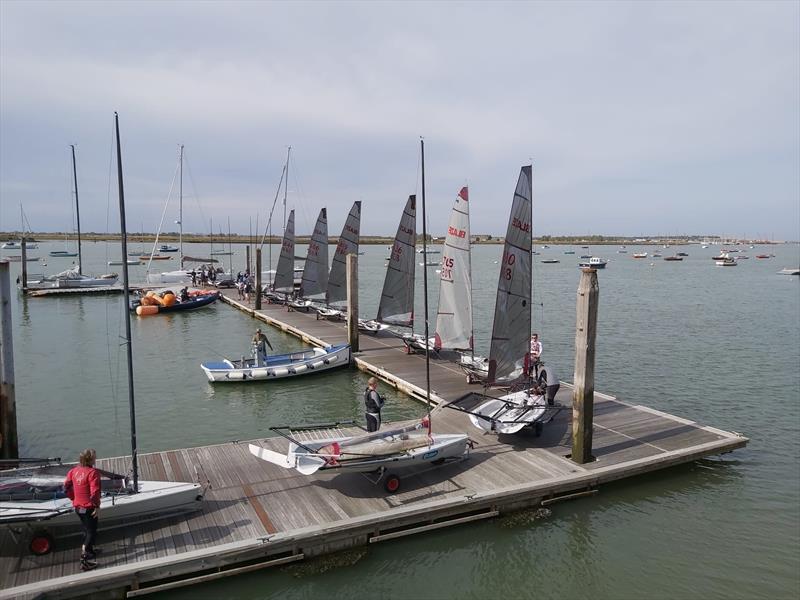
x,y
185,295
260,343
82,486
373,402
549,380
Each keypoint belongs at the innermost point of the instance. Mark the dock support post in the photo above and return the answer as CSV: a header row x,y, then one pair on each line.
x,y
24,267
258,279
8,407
352,302
247,264
583,394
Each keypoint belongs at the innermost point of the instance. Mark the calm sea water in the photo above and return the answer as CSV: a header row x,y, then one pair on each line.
x,y
716,345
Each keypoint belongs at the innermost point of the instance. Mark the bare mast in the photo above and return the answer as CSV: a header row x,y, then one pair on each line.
x,y
125,296
77,208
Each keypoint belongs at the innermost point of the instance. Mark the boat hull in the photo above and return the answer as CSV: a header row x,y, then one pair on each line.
x,y
154,497
285,366
509,414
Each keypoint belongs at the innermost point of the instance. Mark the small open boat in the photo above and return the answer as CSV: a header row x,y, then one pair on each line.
x,y
167,302
594,262
640,255
279,366
62,254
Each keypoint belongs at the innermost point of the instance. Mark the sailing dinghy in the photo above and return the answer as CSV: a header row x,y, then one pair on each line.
x,y
283,283
396,306
31,504
336,290
404,445
511,330
454,317
314,281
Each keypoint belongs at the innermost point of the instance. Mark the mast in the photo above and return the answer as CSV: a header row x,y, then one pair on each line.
x,y
125,296
180,211
77,209
425,283
230,248
286,187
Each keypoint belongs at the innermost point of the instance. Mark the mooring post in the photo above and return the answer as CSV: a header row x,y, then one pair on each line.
x,y
352,301
583,394
258,279
247,266
24,267
8,407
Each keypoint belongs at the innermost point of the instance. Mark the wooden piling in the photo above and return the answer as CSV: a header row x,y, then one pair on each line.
x,y
583,393
24,282
352,301
247,265
258,279
8,408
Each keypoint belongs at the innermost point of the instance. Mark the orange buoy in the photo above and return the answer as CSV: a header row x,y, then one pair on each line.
x,y
143,311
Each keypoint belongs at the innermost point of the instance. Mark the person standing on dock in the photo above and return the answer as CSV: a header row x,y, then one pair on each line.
x,y
373,403
82,486
535,353
260,343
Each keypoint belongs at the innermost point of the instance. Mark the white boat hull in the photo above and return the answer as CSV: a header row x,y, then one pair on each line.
x,y
154,497
510,413
438,447
283,366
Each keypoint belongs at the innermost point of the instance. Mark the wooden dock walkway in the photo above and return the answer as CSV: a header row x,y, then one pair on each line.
x,y
257,515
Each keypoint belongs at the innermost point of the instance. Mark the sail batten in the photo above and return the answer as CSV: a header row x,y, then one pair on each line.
x,y
284,272
454,318
315,272
397,298
336,292
512,315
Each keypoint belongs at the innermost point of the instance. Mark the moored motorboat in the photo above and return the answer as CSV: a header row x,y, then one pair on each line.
x,y
728,262
595,262
640,255
72,278
279,366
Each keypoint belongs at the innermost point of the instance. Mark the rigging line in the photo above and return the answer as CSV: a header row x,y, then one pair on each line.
x,y
272,210
161,224
194,188
302,206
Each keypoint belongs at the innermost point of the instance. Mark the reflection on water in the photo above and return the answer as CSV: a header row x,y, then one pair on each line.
x,y
720,346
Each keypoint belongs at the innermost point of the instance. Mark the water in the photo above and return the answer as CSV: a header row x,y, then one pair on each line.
x,y
716,345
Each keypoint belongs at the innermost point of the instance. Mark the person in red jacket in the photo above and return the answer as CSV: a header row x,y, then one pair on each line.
x,y
82,486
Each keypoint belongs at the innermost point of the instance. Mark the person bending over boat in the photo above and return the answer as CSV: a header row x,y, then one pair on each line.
x,y
82,486
373,402
260,343
549,380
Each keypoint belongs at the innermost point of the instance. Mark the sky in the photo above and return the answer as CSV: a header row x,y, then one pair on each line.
x,y
640,118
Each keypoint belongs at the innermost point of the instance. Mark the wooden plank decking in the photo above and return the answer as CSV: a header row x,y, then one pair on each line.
x,y
258,514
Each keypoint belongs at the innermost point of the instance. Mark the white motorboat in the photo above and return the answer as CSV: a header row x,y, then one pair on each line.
x,y
278,366
594,262
11,245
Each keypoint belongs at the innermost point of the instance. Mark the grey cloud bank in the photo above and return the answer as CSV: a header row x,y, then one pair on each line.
x,y
649,118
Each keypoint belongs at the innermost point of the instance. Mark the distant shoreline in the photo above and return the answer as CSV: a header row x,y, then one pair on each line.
x,y
377,240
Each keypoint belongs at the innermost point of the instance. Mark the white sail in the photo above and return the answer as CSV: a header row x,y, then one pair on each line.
x,y
454,318
315,271
397,299
512,313
336,294
284,274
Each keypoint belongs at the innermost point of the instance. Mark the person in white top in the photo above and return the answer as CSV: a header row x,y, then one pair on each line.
x,y
535,352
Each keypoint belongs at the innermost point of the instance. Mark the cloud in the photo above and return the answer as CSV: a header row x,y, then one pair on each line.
x,y
605,98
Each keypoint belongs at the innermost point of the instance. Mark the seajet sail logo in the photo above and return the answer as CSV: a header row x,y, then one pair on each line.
x,y
524,227
459,233
407,230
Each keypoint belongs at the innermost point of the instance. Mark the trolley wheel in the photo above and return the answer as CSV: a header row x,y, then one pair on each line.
x,y
41,543
392,483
